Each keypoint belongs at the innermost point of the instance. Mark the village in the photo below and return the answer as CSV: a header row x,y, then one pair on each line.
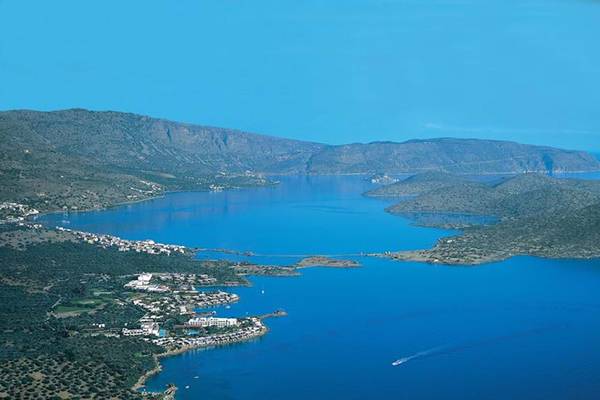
x,y
165,295
173,296
247,328
175,313
164,282
140,246
15,212
183,303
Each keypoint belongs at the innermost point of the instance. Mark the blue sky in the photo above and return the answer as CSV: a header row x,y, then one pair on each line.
x,y
328,71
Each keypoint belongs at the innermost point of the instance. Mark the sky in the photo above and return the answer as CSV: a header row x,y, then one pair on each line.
x,y
319,70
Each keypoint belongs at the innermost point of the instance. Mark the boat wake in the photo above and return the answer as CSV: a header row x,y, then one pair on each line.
x,y
442,350
403,360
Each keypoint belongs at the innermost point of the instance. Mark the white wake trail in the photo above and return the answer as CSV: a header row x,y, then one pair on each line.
x,y
403,360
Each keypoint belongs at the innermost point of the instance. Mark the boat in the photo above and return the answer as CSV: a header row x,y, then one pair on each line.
x,y
400,361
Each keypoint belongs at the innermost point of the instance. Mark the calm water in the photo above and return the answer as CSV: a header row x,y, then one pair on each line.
x,y
524,328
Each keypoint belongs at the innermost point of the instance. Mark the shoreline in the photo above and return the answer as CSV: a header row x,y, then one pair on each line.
x,y
420,256
409,173
150,198
423,256
141,382
417,256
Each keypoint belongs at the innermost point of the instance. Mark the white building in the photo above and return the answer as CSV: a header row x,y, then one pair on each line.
x,y
151,328
132,332
147,329
143,283
204,322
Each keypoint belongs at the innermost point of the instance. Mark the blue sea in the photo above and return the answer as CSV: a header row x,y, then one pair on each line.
x,y
525,328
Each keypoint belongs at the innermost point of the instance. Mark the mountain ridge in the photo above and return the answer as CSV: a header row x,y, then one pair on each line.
x,y
105,157
181,142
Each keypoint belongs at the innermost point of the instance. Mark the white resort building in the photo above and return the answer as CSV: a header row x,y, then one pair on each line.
x,y
204,322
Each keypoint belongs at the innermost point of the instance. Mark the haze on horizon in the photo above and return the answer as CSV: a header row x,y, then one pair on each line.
x,y
324,71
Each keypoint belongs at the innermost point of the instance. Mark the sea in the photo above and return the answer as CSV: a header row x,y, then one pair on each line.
x,y
524,328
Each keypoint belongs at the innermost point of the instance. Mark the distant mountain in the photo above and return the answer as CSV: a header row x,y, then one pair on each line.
x,y
141,143
86,159
82,159
458,156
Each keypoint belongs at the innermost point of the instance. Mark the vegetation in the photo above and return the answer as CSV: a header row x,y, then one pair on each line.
x,y
457,156
322,261
56,292
416,184
54,296
534,215
567,234
514,197
79,159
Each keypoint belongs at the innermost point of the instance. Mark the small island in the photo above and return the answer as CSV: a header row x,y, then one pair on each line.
x,y
322,261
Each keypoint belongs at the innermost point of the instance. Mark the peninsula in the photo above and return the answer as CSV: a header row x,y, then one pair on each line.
x,y
102,310
533,214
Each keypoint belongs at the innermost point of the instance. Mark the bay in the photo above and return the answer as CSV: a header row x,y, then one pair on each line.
x,y
522,328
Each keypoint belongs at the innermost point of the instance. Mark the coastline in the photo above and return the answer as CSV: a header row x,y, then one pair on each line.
x,y
275,183
421,256
150,198
141,382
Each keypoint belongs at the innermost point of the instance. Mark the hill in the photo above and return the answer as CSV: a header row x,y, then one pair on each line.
x,y
458,156
515,197
79,159
537,215
137,142
416,184
569,233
